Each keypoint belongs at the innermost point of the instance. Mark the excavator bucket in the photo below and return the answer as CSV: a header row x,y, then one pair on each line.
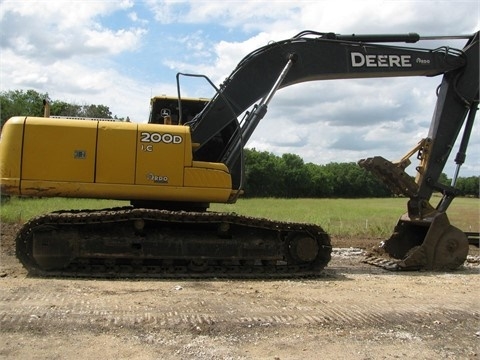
x,y
428,244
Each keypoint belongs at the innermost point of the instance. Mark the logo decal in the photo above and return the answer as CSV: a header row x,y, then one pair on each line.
x,y
79,154
158,179
361,60
155,137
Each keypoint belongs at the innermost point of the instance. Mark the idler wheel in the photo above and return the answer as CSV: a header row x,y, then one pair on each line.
x,y
301,248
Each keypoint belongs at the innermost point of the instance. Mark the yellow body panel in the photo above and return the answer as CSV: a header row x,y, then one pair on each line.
x,y
161,149
209,175
124,192
11,155
59,150
106,159
116,153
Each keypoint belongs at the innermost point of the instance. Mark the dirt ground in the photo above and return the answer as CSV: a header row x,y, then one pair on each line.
x,y
351,311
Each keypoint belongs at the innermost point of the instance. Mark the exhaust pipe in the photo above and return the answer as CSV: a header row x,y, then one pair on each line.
x,y
46,108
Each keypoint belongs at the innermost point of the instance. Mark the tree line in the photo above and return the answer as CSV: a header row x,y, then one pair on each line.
x,y
267,175
30,102
287,176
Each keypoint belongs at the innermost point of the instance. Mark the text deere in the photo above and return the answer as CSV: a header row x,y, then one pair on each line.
x,y
372,60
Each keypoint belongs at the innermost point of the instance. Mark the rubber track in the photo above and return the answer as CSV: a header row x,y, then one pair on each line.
x,y
135,270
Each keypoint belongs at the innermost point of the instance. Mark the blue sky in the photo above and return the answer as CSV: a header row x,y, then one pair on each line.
x,y
120,53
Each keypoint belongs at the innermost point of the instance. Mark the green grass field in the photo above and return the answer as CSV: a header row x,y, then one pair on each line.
x,y
339,217
350,217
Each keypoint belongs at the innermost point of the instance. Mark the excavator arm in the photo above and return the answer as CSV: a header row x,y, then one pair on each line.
x,y
311,59
221,137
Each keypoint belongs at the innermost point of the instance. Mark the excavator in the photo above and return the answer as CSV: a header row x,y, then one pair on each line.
x,y
190,154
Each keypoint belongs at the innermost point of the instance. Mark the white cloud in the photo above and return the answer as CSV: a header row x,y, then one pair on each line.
x,y
61,29
279,16
248,15
113,42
